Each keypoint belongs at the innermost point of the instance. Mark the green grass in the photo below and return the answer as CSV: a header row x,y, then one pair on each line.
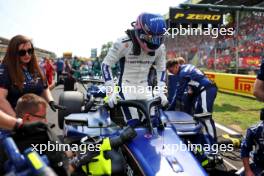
x,y
236,112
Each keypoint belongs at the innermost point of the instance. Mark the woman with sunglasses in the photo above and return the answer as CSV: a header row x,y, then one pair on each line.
x,y
20,74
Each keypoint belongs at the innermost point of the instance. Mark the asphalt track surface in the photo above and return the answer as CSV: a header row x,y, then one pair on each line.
x,y
235,163
53,118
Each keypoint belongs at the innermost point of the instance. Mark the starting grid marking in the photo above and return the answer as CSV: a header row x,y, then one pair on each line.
x,y
225,129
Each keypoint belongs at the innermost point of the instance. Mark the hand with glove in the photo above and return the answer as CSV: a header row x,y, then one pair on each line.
x,y
55,106
111,99
111,95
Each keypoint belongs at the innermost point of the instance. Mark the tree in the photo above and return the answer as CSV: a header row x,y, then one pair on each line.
x,y
104,50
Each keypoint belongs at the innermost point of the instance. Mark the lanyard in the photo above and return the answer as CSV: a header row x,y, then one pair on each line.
x,y
28,76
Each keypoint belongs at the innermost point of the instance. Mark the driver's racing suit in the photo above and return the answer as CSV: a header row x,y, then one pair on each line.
x,y
134,69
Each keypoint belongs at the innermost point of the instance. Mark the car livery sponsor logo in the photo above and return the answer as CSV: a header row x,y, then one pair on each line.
x,y
140,62
244,84
156,19
106,72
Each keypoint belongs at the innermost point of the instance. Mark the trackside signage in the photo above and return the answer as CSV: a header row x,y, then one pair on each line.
x,y
233,83
194,16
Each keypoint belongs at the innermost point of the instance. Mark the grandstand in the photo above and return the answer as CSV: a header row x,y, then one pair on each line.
x,y
244,49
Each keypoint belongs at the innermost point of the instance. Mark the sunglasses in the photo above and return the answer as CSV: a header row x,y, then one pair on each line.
x,y
24,52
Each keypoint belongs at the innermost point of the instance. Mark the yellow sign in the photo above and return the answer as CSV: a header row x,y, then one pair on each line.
x,y
180,16
233,83
193,16
67,55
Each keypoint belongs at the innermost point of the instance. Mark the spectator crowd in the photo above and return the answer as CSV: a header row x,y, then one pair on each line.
x,y
220,53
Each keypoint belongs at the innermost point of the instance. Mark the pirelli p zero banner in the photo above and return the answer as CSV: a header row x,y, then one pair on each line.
x,y
193,16
233,83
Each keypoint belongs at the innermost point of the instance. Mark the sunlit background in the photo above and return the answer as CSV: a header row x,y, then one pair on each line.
x,y
74,25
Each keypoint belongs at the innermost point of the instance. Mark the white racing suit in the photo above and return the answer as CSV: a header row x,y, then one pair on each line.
x,y
133,79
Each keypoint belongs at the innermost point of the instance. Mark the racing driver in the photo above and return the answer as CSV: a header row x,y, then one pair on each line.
x,y
136,52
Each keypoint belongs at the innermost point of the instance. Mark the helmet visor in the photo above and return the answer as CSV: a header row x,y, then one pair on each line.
x,y
152,39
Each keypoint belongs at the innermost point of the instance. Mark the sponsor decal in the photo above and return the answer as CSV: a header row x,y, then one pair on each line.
x,y
140,62
156,19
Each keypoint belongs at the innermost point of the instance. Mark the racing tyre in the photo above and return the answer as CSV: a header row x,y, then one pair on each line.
x,y
73,101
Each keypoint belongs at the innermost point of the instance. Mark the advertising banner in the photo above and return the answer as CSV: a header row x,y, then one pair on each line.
x,y
233,83
230,83
193,16
246,62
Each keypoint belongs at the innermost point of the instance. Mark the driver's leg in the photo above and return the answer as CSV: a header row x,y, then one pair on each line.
x,y
134,94
128,113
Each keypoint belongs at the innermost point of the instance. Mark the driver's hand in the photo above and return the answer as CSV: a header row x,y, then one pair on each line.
x,y
111,99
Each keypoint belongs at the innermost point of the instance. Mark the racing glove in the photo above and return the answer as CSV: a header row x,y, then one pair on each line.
x,y
111,95
55,106
111,99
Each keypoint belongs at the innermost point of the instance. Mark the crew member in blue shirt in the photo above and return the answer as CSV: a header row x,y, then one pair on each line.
x,y
255,134
195,91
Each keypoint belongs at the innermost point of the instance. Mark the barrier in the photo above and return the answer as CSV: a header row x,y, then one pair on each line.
x,y
233,83
230,83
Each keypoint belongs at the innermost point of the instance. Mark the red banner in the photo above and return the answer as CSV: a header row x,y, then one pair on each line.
x,y
245,62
